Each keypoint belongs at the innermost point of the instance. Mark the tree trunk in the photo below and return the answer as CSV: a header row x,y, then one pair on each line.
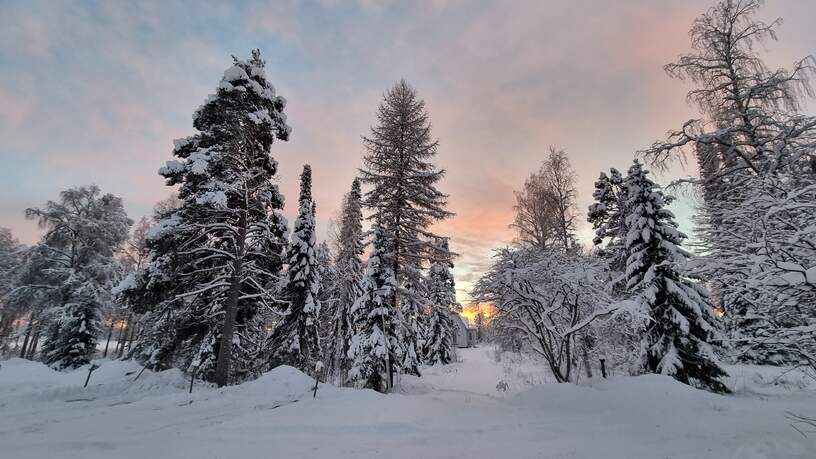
x,y
127,335
33,345
107,342
6,328
585,358
222,363
25,341
395,305
135,329
123,337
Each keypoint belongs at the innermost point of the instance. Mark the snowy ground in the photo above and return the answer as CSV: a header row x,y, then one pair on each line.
x,y
453,411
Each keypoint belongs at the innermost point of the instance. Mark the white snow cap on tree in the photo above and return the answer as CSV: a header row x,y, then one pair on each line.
x,y
199,308
682,325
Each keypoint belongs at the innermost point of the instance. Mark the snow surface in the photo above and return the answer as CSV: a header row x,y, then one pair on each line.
x,y
452,411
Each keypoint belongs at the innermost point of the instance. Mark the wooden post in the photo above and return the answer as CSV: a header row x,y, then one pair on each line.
x,y
317,369
192,378
140,373
90,370
603,368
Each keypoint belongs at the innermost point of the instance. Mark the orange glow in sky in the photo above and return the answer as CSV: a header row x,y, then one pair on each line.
x,y
502,80
471,310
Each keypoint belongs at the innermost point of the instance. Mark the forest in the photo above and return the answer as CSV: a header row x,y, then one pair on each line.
x,y
219,289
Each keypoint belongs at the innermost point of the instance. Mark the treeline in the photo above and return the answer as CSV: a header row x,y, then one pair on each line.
x,y
640,303
214,284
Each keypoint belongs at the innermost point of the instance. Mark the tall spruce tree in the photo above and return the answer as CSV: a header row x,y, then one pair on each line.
x,y
349,269
214,255
404,200
296,339
682,322
83,230
375,346
439,342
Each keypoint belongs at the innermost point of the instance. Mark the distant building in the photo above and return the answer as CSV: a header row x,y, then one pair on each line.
x,y
465,335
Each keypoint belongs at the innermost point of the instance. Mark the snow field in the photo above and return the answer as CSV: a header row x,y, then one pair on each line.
x,y
452,411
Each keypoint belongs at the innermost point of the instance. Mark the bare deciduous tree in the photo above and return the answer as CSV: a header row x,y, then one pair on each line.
x,y
546,206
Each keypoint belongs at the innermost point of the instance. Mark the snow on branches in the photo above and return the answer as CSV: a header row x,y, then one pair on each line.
x,y
214,259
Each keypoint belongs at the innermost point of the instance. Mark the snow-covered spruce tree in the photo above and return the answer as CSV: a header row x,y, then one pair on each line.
x,y
403,198
296,339
439,341
75,329
607,215
214,254
375,346
349,270
753,134
83,230
682,322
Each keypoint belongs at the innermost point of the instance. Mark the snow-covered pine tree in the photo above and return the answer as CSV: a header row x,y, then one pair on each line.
x,y
83,230
349,269
214,254
375,346
296,339
678,337
403,198
607,215
439,342
72,337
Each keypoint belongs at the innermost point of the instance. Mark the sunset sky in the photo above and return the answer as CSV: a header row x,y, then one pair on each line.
x,y
95,92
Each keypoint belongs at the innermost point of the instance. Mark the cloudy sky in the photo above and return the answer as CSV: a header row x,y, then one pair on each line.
x,y
95,92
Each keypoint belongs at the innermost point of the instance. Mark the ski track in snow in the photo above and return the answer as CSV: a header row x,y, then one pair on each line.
x,y
452,411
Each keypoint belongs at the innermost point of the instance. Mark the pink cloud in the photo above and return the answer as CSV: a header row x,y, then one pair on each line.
x,y
502,80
